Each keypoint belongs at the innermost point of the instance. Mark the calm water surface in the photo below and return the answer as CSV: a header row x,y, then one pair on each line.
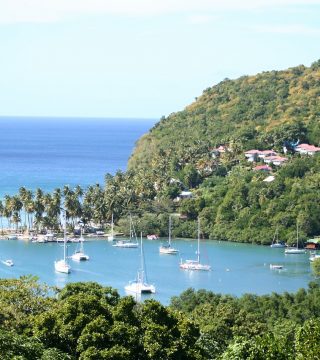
x,y
236,268
53,152
50,153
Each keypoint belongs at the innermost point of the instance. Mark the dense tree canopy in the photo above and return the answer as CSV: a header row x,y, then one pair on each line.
x,y
90,321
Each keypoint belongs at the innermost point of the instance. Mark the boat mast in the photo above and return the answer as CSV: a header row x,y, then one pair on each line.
x,y
297,235
81,240
112,225
64,235
169,231
131,233
198,252
141,277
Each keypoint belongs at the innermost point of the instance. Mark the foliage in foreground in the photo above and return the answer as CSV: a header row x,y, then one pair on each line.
x,y
91,322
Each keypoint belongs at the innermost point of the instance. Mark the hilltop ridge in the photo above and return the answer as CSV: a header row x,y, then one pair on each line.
x,y
252,111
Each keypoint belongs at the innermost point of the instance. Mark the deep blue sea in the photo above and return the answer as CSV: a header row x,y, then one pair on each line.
x,y
53,152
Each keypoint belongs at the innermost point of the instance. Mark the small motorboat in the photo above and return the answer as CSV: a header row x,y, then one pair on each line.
x,y
7,262
276,267
313,257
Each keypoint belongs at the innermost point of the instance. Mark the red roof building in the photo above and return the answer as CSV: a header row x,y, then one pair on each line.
x,y
262,168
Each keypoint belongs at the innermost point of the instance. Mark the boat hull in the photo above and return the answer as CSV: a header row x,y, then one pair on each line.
x,y
79,257
123,244
294,251
314,257
276,267
140,288
7,262
192,265
168,250
277,245
62,267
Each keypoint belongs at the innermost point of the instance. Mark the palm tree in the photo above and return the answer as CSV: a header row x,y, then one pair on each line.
x,y
72,205
39,207
8,209
1,215
25,197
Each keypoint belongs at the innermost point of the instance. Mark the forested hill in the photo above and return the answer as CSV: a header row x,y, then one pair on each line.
x,y
251,112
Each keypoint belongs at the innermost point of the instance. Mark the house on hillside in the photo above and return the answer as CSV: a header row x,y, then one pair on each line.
x,y
275,160
252,155
265,153
262,168
269,179
306,149
184,195
313,244
216,152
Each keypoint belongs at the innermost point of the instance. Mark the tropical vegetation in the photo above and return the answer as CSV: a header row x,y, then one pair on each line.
x,y
88,321
264,112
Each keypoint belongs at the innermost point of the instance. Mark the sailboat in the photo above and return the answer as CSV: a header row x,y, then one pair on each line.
x,y
195,264
111,236
132,243
167,248
295,250
62,265
275,241
79,254
140,284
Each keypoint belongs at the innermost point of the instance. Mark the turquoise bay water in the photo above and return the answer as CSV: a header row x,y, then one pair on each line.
x,y
50,153
236,268
53,152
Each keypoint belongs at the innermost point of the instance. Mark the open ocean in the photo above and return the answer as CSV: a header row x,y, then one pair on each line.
x,y
53,152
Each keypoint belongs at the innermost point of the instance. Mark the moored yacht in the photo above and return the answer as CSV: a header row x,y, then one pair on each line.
x,y
62,265
295,250
275,241
140,284
111,235
132,243
79,254
167,248
195,264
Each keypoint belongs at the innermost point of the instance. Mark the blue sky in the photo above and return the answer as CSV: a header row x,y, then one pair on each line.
x,y
142,58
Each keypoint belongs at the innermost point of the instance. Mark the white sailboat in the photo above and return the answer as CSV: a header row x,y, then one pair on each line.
x,y
111,236
167,248
195,264
79,254
132,243
140,284
275,241
62,265
295,250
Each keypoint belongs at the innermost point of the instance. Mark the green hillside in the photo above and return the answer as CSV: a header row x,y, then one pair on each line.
x,y
252,111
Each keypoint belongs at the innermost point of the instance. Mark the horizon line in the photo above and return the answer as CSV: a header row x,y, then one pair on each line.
x,y
74,117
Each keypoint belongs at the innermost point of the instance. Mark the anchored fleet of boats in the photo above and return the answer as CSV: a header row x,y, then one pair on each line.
x,y
140,285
